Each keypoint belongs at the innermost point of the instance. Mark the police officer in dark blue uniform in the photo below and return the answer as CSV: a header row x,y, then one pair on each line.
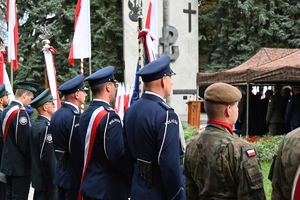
x,y
65,133
292,113
152,138
42,149
4,102
105,175
16,159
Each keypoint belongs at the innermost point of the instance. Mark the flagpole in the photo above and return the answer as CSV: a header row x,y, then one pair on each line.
x,y
12,75
166,22
141,47
90,69
82,73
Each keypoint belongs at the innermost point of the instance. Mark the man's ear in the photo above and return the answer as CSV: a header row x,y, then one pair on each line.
x,y
76,95
228,110
163,81
44,107
24,95
108,87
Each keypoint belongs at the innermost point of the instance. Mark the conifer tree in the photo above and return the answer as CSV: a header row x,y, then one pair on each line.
x,y
237,29
106,37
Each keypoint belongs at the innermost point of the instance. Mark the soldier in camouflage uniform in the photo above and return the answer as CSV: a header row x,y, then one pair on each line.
x,y
285,166
219,165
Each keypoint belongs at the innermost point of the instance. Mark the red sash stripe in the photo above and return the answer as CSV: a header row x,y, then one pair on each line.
x,y
296,185
7,120
96,118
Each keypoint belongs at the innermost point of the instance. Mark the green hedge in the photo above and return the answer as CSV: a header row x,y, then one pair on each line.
x,y
265,146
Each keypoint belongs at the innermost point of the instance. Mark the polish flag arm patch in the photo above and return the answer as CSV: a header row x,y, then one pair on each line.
x,y
251,153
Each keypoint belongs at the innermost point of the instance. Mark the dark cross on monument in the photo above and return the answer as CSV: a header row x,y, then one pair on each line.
x,y
190,12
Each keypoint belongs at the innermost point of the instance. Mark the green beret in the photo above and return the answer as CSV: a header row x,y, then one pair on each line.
x,y
42,98
222,93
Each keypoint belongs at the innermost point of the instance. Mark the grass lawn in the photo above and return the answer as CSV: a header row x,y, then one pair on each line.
x,y
267,184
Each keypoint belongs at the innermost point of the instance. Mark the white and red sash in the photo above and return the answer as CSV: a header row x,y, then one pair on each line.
x,y
95,120
7,120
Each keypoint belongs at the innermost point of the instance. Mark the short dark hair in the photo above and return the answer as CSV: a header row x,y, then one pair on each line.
x,y
98,88
212,109
20,92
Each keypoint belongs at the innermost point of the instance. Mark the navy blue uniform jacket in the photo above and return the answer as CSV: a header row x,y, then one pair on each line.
x,y
65,132
106,176
292,113
152,134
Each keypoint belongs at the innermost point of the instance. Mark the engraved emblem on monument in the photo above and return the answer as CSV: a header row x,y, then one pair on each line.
x,y
135,7
170,35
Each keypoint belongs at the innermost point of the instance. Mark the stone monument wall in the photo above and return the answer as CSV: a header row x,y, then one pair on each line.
x,y
177,29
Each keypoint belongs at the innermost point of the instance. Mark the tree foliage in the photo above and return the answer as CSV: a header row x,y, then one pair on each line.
x,y
3,32
230,31
235,30
106,37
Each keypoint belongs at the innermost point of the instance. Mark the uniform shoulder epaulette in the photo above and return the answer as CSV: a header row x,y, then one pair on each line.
x,y
76,112
109,109
165,105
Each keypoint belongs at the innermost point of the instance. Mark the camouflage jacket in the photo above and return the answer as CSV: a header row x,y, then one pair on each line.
x,y
285,166
218,164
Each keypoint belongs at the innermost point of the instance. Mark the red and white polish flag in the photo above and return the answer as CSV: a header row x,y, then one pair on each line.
x,y
13,38
81,45
151,23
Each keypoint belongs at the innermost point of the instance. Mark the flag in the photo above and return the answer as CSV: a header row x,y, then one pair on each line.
x,y
148,39
119,105
81,45
13,38
149,33
51,81
127,97
136,90
151,22
4,77
150,45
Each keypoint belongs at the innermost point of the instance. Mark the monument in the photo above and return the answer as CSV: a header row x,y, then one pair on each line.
x,y
177,37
